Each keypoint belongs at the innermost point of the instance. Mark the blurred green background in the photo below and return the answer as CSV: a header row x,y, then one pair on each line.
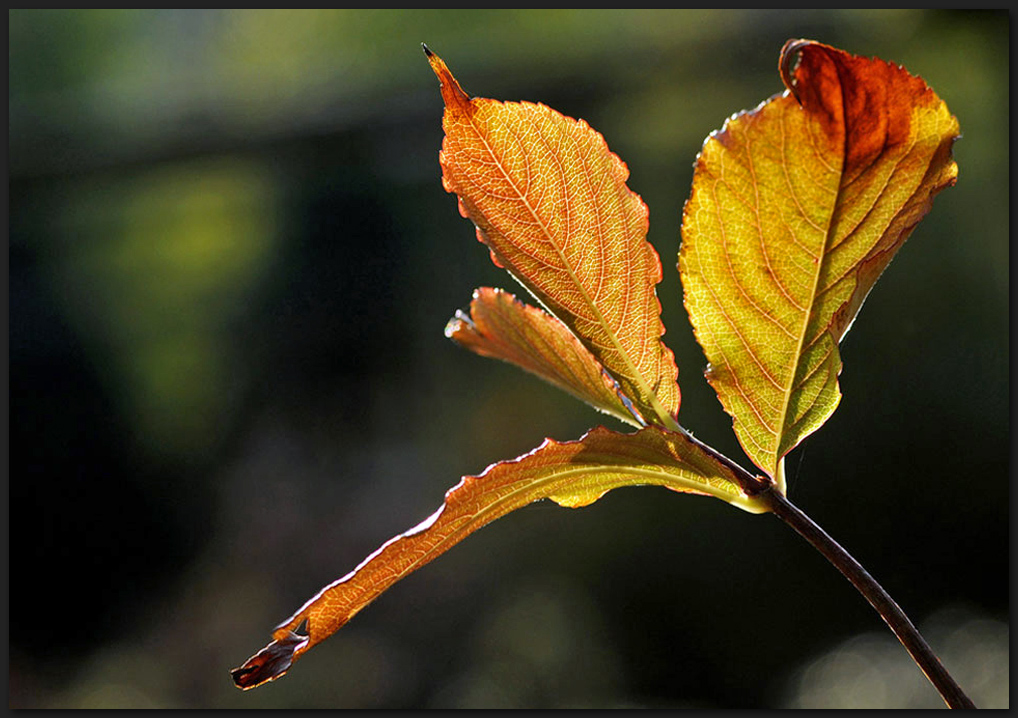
x,y
231,261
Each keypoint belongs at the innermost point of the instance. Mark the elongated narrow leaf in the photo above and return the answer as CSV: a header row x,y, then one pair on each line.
x,y
572,474
550,201
502,327
796,209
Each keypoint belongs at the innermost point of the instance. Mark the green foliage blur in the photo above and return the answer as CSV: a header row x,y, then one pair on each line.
x,y
231,260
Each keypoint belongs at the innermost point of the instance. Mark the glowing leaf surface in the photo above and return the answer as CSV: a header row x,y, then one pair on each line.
x,y
572,474
550,201
502,327
796,209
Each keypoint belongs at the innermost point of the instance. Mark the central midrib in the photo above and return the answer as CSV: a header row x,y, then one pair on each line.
x,y
808,315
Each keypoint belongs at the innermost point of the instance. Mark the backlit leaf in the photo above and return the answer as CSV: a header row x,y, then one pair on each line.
x,y
502,327
796,209
572,474
550,201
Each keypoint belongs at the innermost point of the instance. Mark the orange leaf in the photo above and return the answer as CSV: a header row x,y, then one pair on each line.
x,y
796,209
572,474
550,201
502,327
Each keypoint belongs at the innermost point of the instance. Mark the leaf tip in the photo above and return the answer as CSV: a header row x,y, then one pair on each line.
x,y
452,94
269,663
789,52
459,325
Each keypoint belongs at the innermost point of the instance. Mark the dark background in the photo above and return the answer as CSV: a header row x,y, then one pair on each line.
x,y
231,261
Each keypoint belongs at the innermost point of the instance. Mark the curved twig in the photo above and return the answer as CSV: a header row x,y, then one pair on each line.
x,y
892,614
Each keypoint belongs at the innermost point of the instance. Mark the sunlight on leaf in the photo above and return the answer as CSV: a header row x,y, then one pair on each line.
x,y
550,201
572,474
796,209
502,327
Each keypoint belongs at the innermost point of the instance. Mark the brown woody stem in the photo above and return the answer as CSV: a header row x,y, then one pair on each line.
x,y
892,614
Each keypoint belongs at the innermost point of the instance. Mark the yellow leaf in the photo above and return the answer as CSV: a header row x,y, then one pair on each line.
x,y
796,209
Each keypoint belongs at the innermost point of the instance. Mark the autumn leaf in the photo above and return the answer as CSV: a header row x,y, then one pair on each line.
x,y
550,201
572,474
796,209
502,327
